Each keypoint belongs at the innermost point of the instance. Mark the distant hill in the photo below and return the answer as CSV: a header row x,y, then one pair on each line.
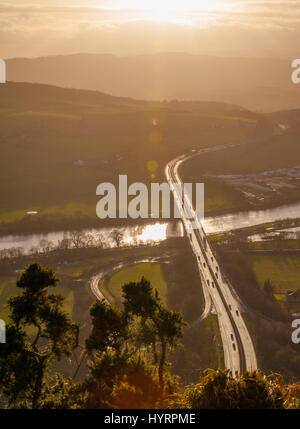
x,y
58,144
257,84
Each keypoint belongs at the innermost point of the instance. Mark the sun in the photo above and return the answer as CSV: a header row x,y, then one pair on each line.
x,y
171,5
168,10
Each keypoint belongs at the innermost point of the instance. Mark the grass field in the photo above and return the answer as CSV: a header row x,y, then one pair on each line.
x,y
220,197
274,245
211,323
111,286
273,153
202,349
77,269
7,289
283,271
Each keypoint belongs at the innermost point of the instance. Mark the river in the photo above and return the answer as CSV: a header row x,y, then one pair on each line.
x,y
238,220
107,237
154,232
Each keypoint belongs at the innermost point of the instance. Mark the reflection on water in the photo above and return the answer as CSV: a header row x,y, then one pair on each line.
x,y
150,233
286,234
263,237
145,234
254,217
104,237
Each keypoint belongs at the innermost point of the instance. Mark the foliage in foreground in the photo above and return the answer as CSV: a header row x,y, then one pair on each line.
x,y
252,390
39,333
127,349
126,352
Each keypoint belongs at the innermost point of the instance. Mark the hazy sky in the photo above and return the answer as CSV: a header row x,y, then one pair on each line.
x,y
128,27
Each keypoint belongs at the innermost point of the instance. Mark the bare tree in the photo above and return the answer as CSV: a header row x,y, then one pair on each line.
x,y
99,240
13,252
46,246
89,240
77,239
64,244
117,237
34,250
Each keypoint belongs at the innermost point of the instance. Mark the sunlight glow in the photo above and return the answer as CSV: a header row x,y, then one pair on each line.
x,y
173,10
156,232
172,5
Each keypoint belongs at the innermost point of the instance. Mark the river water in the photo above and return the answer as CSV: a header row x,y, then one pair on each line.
x,y
127,236
154,232
253,217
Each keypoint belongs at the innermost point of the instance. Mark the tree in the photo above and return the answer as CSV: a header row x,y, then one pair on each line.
x,y
109,327
139,299
39,332
77,239
108,351
168,327
123,348
64,394
117,237
46,246
219,390
158,326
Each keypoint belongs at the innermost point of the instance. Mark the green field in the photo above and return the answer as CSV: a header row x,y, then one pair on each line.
x,y
77,268
273,153
274,245
220,197
211,324
202,349
283,271
7,289
111,286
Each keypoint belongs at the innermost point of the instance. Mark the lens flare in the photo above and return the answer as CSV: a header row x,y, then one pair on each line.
x,y
152,166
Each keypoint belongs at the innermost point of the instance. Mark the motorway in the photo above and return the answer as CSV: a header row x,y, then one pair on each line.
x,y
239,353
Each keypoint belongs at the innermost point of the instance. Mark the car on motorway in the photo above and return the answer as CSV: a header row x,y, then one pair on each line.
x,y
230,308
205,243
234,347
208,282
237,313
232,337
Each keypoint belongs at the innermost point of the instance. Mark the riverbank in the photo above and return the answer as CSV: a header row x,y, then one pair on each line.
x,y
229,220
35,223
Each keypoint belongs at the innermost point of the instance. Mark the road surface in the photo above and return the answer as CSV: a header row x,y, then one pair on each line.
x,y
94,281
239,353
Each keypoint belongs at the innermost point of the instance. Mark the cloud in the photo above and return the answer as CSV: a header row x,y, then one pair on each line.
x,y
243,27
